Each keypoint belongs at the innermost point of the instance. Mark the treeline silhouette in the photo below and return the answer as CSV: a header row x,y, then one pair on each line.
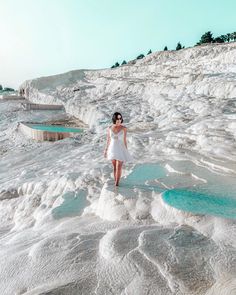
x,y
6,88
205,39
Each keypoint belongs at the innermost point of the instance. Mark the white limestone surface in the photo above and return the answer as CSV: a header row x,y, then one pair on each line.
x,y
65,228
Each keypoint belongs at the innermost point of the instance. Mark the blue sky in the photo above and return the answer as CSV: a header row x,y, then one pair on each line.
x,y
47,37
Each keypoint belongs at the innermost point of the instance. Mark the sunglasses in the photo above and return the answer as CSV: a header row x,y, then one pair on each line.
x,y
118,119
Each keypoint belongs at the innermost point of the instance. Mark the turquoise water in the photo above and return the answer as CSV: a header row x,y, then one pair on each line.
x,y
143,173
55,128
73,205
199,202
216,197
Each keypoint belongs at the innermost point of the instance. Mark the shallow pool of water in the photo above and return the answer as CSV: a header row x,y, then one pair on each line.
x,y
54,128
201,193
142,176
199,202
143,172
73,205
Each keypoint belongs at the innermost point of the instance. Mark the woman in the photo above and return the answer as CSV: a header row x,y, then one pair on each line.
x,y
116,147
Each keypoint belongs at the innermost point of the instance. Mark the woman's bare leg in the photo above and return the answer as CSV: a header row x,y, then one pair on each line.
x,y
118,171
114,169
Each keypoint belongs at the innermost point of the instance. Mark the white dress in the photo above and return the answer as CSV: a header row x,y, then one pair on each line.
x,y
117,149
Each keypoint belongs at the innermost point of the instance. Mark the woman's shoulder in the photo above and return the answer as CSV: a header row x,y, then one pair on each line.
x,y
124,128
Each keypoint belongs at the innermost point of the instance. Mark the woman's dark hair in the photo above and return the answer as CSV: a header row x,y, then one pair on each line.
x,y
114,117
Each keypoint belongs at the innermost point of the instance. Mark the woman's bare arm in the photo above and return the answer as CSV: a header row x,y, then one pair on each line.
x,y
125,133
108,142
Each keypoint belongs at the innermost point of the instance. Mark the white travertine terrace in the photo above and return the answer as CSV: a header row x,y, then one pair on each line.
x,y
180,110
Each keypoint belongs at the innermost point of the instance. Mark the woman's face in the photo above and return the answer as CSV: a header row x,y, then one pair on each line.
x,y
118,120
